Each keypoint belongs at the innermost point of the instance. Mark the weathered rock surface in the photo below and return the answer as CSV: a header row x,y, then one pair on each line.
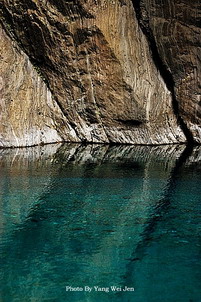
x,y
174,27
97,80
28,113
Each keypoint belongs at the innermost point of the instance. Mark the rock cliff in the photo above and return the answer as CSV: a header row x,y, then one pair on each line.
x,y
173,30
99,71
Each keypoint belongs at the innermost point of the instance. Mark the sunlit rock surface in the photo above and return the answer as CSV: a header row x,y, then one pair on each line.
x,y
28,113
96,81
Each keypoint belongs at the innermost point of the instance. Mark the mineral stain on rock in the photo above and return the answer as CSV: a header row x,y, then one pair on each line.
x,y
87,71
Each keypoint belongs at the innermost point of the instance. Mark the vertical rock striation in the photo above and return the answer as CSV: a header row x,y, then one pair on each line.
x,y
97,70
173,29
28,113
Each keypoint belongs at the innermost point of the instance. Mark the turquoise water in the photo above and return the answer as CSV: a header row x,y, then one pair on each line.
x,y
75,218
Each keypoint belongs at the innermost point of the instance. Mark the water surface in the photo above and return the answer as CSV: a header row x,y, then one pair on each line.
x,y
103,216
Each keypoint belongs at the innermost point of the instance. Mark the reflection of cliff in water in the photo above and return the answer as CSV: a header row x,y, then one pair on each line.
x,y
88,218
170,249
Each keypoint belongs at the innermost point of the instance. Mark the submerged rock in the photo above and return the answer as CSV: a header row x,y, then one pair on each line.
x,y
84,71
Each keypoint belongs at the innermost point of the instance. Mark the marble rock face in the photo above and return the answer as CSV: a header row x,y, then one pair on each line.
x,y
98,71
28,113
175,29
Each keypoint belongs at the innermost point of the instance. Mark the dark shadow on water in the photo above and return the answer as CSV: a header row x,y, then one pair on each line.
x,y
164,203
164,212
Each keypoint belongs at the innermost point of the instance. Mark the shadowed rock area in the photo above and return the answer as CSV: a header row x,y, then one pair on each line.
x,y
173,30
85,71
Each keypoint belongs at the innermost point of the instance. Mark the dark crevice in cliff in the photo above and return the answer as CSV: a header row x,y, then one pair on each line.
x,y
7,24
143,20
131,123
